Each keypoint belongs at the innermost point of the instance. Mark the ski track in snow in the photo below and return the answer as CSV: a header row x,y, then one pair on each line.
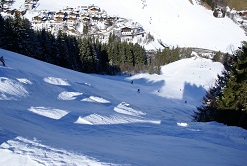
x,y
32,152
49,112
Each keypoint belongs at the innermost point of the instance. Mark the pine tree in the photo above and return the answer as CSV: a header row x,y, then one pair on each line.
x,y
227,101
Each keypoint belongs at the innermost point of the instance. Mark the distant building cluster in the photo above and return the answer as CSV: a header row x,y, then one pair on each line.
x,y
81,20
239,17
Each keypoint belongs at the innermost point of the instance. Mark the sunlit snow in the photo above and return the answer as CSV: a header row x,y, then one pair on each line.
x,y
44,121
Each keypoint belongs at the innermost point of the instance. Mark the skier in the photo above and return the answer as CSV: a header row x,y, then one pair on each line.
x,y
2,60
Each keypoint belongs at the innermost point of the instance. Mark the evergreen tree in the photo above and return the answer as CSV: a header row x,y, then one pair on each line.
x,y
227,101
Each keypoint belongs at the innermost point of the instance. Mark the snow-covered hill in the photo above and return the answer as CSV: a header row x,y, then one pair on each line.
x,y
54,116
174,22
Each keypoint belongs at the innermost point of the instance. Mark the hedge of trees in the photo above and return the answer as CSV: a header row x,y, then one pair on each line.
x,y
226,102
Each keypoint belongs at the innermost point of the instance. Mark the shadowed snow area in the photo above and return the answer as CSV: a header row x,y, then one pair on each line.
x,y
53,116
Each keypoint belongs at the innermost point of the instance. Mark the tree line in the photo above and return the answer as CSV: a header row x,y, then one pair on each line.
x,y
226,102
84,54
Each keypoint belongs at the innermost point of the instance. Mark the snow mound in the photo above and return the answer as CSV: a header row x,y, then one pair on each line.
x,y
49,112
24,81
182,77
124,108
96,119
21,151
96,100
56,81
68,95
181,124
10,88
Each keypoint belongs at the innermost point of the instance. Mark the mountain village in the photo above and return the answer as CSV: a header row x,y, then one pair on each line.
x,y
81,21
91,20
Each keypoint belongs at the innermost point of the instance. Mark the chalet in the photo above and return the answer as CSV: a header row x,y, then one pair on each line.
x,y
102,18
94,9
126,38
83,15
95,18
69,9
59,14
51,15
14,12
28,6
126,31
59,19
218,13
74,15
8,11
243,13
112,18
82,8
5,7
71,19
36,19
86,19
28,1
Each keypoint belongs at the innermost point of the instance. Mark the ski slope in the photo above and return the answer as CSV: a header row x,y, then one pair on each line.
x,y
54,116
174,22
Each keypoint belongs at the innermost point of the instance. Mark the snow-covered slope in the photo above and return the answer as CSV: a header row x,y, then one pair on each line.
x,y
54,116
174,22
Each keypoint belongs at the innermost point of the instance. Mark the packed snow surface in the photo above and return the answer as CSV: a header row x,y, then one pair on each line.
x,y
174,22
53,116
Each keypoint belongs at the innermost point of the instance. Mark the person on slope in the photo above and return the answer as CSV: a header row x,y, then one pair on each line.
x,y
2,60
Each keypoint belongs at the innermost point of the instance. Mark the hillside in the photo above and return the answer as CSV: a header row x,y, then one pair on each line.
x,y
55,116
171,22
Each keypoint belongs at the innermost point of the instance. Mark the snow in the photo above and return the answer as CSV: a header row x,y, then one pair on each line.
x,y
49,112
11,88
174,22
31,152
56,81
53,116
46,119
95,99
68,95
95,119
124,108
